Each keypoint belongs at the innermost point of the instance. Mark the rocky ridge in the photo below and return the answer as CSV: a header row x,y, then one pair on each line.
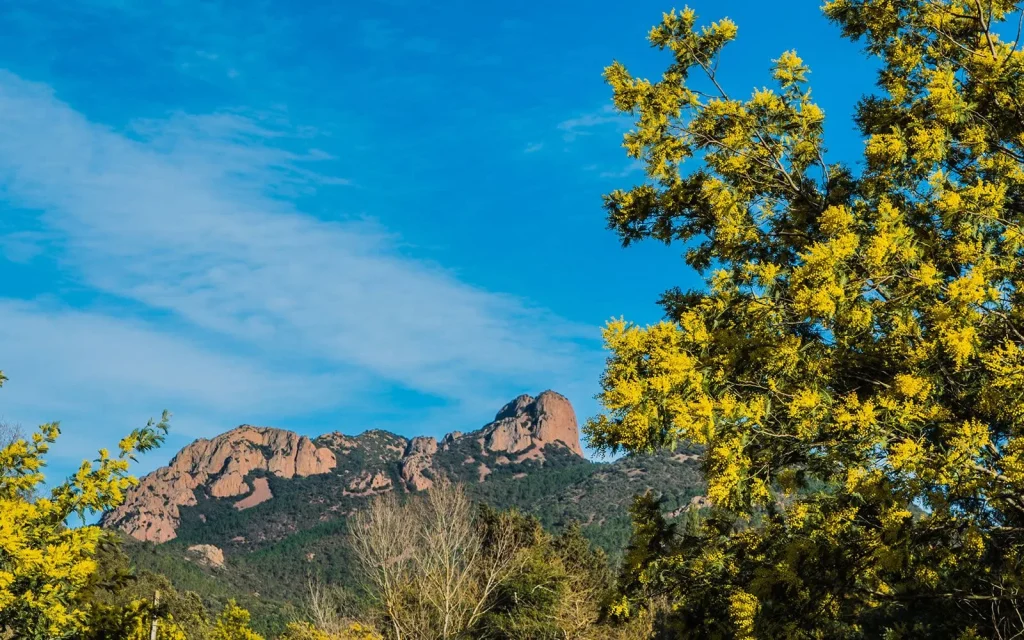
x,y
218,466
237,463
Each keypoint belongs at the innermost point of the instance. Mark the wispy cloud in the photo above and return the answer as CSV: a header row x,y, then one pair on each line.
x,y
191,220
48,346
102,376
633,167
23,246
582,124
533,147
210,66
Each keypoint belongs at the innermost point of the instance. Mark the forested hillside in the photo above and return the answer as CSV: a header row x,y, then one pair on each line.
x,y
266,553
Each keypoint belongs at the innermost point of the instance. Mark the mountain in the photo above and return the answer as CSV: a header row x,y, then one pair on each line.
x,y
250,513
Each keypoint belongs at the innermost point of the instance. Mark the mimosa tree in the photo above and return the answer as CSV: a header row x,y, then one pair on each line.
x,y
46,566
857,352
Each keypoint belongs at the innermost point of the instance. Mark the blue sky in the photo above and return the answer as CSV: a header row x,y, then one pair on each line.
x,y
326,215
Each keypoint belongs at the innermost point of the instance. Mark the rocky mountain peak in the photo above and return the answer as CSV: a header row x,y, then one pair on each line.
x,y
514,408
421,445
239,465
548,419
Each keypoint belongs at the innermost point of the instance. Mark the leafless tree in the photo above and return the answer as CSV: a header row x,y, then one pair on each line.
x,y
329,608
578,610
384,545
427,562
9,432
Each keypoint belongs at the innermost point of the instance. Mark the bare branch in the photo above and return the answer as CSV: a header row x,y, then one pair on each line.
x,y
427,564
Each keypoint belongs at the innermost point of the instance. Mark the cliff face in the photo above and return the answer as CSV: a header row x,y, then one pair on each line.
x,y
219,466
548,419
235,464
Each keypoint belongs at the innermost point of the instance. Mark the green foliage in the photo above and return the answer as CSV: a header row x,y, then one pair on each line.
x,y
133,621
123,601
522,605
652,539
857,352
558,591
253,581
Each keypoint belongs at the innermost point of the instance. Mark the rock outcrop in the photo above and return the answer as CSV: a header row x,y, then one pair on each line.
x,y
260,493
151,509
449,439
548,419
366,483
419,457
207,555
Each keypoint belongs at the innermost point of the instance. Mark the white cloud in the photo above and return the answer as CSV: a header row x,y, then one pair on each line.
x,y
190,219
634,166
99,357
582,124
533,147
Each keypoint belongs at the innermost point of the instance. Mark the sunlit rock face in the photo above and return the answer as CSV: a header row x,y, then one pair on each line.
x,y
151,509
548,419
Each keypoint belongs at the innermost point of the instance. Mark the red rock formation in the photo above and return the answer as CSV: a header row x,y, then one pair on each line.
x,y
419,456
150,511
548,419
366,483
222,466
260,493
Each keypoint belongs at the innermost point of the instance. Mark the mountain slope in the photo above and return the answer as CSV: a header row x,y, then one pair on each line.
x,y
253,512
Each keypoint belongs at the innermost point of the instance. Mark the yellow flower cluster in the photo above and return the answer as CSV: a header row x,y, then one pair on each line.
x,y
859,343
46,565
